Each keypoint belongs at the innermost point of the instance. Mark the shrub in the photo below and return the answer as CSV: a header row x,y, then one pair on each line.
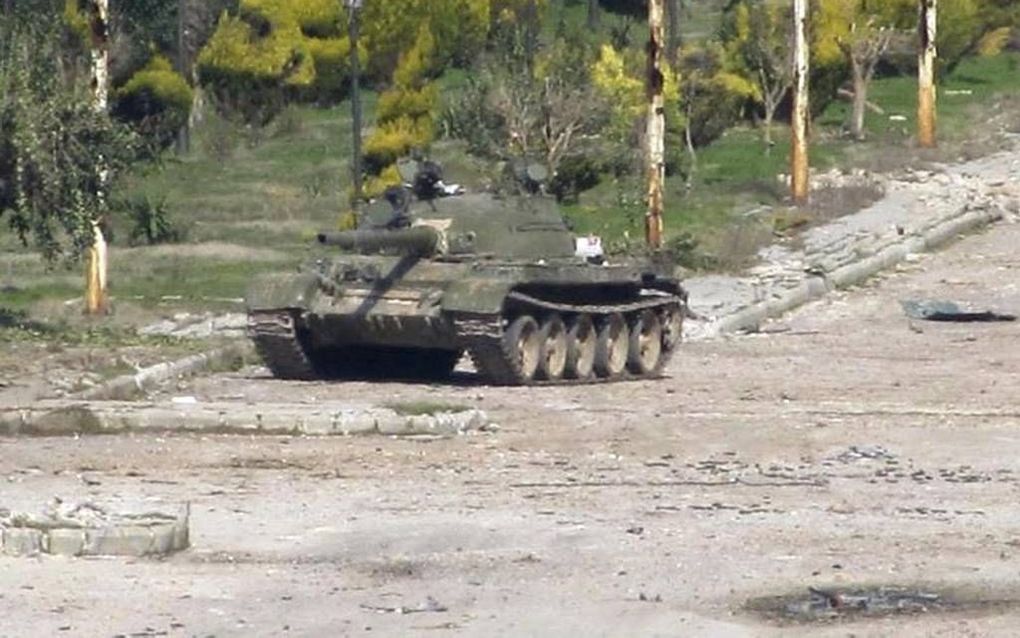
x,y
150,222
394,140
156,101
576,173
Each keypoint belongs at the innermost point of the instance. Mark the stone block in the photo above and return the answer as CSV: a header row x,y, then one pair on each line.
x,y
181,535
23,541
123,540
67,541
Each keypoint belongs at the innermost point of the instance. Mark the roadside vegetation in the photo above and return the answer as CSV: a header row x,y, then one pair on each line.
x,y
233,143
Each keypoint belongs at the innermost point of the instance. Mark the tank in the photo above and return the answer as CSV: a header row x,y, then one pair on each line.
x,y
433,273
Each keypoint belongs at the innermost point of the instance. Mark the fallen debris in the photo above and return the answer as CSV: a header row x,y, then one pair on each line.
x,y
938,310
431,605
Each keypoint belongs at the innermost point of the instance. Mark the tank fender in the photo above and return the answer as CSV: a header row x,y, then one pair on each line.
x,y
476,296
281,291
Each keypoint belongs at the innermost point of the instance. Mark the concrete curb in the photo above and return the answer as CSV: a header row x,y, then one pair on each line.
x,y
62,418
128,386
135,536
817,286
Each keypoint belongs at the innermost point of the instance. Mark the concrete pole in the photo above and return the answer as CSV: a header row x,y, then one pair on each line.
x,y
656,126
95,273
927,54
799,171
354,7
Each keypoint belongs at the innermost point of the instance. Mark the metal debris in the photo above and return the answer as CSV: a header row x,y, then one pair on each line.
x,y
947,311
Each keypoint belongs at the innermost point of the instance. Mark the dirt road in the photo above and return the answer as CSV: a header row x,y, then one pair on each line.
x,y
844,446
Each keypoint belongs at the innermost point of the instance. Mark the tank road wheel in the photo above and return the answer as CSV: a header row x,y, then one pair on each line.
x,y
581,345
522,344
553,357
645,350
613,344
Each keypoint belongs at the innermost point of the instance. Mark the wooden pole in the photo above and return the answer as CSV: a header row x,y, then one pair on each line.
x,y
927,54
96,302
799,163
656,126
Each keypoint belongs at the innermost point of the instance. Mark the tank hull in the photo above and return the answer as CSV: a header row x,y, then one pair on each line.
x,y
391,308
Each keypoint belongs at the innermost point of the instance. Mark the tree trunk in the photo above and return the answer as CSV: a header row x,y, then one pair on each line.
x,y
800,171
927,54
594,15
675,37
770,117
95,277
860,102
655,165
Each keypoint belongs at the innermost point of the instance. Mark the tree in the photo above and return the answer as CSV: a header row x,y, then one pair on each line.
x,y
54,146
761,43
869,38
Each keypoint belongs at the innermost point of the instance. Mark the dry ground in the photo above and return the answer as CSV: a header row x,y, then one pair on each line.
x,y
638,509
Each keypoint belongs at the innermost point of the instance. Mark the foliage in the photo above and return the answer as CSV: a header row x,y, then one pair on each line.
x,y
150,221
759,47
405,113
53,147
156,101
272,51
251,61
713,94
534,105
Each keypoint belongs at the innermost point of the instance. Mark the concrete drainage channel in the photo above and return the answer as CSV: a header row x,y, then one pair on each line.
x,y
847,604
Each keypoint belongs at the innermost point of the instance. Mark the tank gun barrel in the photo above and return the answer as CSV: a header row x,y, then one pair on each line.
x,y
420,240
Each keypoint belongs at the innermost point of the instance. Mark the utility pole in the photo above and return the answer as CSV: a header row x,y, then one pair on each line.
x,y
927,54
95,273
354,9
799,172
656,126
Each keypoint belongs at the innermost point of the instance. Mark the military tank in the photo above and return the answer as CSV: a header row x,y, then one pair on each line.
x,y
432,272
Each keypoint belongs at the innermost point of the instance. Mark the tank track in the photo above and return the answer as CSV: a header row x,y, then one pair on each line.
x,y
279,345
482,337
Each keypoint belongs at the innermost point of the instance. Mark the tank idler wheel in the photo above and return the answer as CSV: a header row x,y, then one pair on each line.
x,y
645,350
613,344
553,355
672,328
581,346
522,344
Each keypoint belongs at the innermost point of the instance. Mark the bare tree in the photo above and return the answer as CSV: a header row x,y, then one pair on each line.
x,y
768,56
594,15
864,47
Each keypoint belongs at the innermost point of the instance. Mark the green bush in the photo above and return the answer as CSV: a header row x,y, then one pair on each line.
x,y
394,140
156,101
150,222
